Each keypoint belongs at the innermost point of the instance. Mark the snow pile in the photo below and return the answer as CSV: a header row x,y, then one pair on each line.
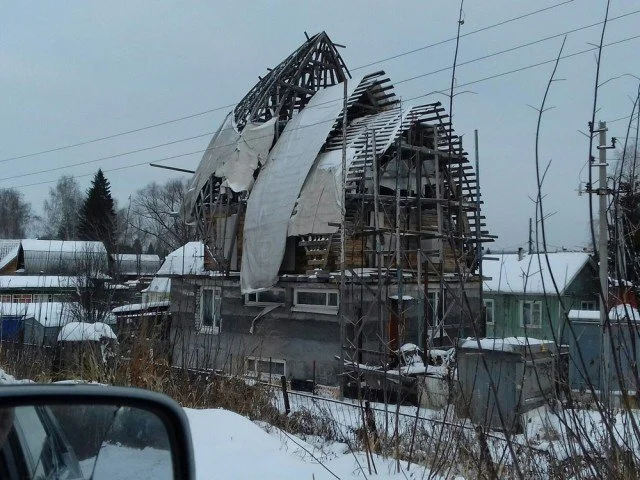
x,y
229,446
508,344
136,307
81,331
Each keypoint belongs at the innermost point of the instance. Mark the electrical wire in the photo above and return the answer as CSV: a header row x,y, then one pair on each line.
x,y
223,107
395,83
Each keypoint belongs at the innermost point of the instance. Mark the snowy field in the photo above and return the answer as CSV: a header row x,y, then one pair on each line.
x,y
229,446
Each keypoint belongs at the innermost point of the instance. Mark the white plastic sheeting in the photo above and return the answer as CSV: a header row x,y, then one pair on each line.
x,y
275,192
231,155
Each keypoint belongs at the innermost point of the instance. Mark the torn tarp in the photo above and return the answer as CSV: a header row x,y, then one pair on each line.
x,y
232,156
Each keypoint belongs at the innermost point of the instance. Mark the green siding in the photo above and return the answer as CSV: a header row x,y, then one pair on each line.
x,y
507,308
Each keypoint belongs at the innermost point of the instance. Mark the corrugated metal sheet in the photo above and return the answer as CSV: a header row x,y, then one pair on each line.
x,y
61,257
132,264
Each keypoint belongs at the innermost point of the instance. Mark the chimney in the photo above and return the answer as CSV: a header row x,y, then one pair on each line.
x,y
520,253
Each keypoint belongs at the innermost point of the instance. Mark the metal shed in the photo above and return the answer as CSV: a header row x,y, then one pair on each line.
x,y
586,349
502,378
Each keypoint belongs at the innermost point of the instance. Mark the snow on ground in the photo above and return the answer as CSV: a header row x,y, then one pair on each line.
x,y
229,446
117,462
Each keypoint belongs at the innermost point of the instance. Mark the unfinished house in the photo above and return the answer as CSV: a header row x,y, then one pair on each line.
x,y
342,223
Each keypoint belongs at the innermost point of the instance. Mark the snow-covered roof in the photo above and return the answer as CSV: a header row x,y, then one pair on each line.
x,y
37,281
48,314
136,307
622,312
133,264
511,274
159,285
62,256
584,315
186,260
507,344
81,331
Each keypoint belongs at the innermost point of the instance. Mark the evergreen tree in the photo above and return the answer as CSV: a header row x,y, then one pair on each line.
x,y
97,215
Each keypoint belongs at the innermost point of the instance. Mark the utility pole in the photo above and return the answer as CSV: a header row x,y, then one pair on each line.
x,y
603,254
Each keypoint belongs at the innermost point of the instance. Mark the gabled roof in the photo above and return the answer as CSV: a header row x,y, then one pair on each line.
x,y
526,275
186,260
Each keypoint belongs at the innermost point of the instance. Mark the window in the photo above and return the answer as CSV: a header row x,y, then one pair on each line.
x,y
588,305
265,368
41,297
321,301
530,314
210,310
5,298
489,312
275,296
22,298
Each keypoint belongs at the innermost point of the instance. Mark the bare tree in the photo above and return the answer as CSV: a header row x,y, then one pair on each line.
x,y
153,215
61,209
15,214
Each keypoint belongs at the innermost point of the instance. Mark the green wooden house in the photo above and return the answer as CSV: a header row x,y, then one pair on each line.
x,y
520,297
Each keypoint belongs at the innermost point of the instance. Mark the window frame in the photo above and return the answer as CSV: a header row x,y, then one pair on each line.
x,y
264,375
592,302
259,303
22,298
486,302
217,312
533,303
316,308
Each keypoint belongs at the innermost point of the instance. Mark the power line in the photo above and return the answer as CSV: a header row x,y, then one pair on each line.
x,y
442,42
484,57
473,82
223,107
100,139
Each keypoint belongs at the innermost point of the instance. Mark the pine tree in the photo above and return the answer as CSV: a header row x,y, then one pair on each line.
x,y
97,215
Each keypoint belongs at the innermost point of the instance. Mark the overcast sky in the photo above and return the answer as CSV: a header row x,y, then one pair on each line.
x,y
75,71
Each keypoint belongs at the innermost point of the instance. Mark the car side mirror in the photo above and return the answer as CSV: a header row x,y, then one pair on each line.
x,y
92,431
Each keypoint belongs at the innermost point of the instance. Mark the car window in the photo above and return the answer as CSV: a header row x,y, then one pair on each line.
x,y
33,436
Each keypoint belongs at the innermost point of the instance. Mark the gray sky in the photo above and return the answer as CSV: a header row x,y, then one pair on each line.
x,y
73,71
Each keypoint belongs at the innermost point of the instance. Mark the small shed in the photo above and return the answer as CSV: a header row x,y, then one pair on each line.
x,y
502,378
586,349
34,323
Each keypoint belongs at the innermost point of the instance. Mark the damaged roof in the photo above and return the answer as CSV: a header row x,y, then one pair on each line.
x,y
281,149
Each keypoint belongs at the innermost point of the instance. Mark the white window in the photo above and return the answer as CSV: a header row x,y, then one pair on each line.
x,y
210,302
588,305
265,368
489,312
41,297
275,296
5,298
530,314
321,301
